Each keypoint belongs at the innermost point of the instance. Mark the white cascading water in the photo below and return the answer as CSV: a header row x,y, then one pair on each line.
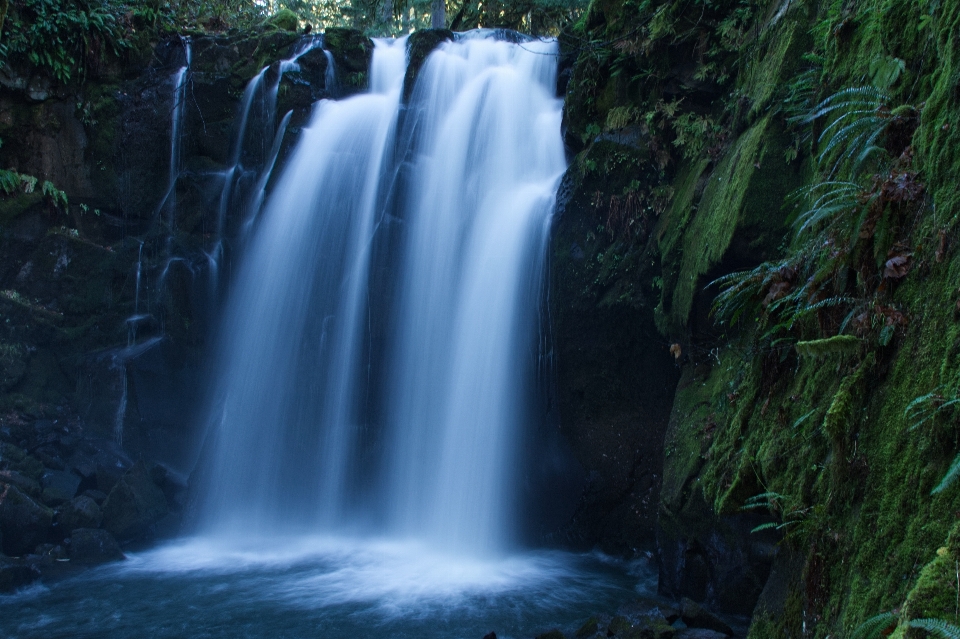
x,y
488,156
285,407
479,157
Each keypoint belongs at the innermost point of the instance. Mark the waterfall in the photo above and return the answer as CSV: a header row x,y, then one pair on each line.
x,y
316,424
180,80
259,99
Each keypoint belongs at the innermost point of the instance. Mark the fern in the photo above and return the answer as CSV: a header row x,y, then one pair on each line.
x,y
950,477
937,628
825,200
858,117
58,197
873,627
9,181
924,408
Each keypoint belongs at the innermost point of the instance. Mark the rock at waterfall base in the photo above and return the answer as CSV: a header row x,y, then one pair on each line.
x,y
134,505
94,546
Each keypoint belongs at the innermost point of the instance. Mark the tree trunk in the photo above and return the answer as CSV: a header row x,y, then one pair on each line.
x,y
386,13
438,14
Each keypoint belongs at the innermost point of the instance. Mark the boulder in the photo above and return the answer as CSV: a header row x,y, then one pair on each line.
x,y
24,523
59,486
79,512
134,505
21,481
94,546
96,496
13,458
15,574
551,634
696,616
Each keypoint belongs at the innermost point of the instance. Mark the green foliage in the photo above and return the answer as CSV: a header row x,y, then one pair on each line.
x,y
880,626
937,628
774,502
58,197
63,36
874,627
857,118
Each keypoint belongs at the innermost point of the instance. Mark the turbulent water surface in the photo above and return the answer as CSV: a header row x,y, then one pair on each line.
x,y
323,587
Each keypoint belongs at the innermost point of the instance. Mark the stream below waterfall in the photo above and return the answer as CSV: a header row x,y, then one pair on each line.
x,y
335,588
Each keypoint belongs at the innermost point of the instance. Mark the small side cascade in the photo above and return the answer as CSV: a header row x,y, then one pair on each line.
x,y
180,81
259,105
330,76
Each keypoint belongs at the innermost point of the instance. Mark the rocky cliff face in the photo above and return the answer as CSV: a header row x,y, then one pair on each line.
x,y
106,298
802,400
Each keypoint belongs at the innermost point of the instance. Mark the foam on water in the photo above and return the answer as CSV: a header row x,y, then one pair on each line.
x,y
324,586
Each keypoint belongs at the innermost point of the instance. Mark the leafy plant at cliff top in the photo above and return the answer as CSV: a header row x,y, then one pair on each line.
x,y
63,36
13,183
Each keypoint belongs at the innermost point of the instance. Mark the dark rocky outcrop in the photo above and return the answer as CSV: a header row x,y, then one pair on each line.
x,y
134,505
24,523
15,574
81,512
93,546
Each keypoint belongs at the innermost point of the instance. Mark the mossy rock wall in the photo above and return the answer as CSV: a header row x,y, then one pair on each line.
x,y
849,527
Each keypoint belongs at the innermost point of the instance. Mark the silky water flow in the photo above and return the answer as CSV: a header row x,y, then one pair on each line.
x,y
317,515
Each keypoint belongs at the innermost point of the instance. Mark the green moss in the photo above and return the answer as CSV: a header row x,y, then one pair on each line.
x,y
717,218
12,207
285,20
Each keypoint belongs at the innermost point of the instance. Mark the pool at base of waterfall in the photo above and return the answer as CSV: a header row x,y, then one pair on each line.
x,y
325,587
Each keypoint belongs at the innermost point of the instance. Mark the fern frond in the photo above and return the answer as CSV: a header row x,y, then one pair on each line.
x,y
874,626
937,628
841,99
949,478
825,200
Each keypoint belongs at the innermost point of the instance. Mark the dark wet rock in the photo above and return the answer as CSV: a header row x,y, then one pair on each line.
x,y
419,45
641,626
696,616
134,505
108,474
24,523
173,485
590,628
490,635
59,486
699,633
14,458
94,546
50,459
551,634
13,364
16,574
27,485
96,495
51,552
80,512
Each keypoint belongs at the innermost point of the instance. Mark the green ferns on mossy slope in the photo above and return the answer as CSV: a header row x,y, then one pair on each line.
x,y
853,313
